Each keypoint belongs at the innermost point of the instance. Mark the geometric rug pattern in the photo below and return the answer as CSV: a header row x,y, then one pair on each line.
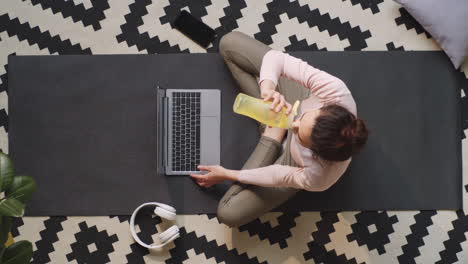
x,y
39,27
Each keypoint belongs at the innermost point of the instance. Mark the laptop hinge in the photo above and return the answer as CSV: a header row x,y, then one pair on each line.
x,y
166,131
162,128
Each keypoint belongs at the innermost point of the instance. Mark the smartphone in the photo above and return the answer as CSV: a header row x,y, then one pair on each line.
x,y
194,29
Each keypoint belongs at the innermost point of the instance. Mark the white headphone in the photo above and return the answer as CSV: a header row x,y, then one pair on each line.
x,y
164,211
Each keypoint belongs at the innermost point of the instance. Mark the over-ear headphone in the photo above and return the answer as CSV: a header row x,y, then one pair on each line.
x,y
164,211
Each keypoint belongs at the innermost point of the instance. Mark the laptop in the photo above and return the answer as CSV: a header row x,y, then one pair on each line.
x,y
189,130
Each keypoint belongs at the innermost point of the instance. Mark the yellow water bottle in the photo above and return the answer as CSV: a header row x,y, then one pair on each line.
x,y
260,110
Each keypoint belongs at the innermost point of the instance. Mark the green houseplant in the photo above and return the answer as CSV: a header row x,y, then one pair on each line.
x,y
15,191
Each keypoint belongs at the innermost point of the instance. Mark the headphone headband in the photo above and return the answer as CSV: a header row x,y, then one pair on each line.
x,y
133,231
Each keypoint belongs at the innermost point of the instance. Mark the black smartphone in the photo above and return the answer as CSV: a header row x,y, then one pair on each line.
x,y
195,29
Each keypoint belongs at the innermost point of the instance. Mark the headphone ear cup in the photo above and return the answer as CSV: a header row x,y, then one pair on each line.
x,y
167,207
159,211
168,234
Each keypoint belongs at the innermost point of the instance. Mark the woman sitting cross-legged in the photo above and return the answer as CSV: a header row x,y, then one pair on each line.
x,y
318,149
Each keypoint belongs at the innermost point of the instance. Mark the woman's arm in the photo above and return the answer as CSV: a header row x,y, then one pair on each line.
x,y
269,176
326,87
284,176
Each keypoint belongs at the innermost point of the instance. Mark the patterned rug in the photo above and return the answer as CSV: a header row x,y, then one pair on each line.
x,y
143,26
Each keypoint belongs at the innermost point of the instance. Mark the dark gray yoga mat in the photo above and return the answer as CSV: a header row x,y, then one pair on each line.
x,y
84,127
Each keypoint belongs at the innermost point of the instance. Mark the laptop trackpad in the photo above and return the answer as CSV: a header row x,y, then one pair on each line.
x,y
210,140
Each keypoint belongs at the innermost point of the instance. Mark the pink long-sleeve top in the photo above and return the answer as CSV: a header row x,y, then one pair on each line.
x,y
313,174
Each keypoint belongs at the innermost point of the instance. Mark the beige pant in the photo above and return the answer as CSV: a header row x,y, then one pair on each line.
x,y
243,203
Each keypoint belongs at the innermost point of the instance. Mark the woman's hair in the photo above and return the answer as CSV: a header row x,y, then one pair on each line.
x,y
338,134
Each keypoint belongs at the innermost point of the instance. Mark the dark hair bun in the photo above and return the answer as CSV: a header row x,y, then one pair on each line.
x,y
338,134
355,133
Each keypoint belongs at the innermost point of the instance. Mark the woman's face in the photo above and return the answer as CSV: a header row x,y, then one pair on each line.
x,y
303,126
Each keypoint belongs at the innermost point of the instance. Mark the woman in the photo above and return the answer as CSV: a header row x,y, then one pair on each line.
x,y
318,148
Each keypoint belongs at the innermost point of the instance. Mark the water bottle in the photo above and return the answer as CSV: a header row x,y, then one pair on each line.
x,y
260,110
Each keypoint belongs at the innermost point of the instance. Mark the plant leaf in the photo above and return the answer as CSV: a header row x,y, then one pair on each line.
x,y
5,227
6,172
11,207
2,250
22,188
19,253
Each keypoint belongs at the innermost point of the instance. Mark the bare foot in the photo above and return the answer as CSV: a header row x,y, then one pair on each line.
x,y
275,133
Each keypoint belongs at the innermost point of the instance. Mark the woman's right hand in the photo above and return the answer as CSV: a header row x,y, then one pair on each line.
x,y
214,175
269,93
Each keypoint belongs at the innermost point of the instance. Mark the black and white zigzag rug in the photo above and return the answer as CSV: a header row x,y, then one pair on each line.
x,y
144,26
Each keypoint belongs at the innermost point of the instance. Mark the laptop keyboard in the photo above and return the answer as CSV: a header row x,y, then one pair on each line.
x,y
185,131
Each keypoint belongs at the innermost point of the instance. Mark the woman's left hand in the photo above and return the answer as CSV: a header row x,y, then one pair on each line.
x,y
215,175
268,93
